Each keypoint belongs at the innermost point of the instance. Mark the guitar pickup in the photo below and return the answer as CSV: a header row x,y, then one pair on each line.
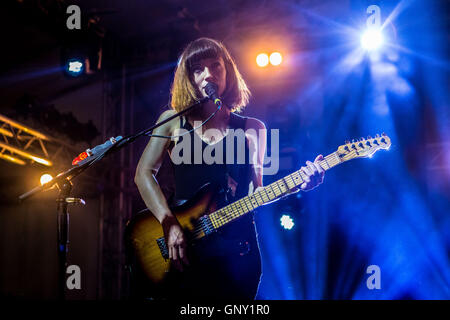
x,y
205,224
163,247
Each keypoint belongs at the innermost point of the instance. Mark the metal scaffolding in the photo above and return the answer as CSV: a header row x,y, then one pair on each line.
x,y
116,199
21,145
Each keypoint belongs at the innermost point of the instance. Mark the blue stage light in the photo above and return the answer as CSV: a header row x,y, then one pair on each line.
x,y
372,39
287,222
75,67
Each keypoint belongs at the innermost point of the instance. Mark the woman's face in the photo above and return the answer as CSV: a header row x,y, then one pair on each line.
x,y
210,70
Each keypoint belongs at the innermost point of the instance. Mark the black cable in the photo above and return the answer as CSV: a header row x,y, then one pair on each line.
x,y
193,129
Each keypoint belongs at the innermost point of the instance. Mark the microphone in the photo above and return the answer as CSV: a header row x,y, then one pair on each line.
x,y
211,90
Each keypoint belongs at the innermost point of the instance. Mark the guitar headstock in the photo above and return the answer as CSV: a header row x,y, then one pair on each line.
x,y
363,148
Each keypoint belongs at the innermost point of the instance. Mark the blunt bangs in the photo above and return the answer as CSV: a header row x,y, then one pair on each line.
x,y
202,49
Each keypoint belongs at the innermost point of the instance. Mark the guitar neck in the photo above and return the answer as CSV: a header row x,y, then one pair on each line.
x,y
267,194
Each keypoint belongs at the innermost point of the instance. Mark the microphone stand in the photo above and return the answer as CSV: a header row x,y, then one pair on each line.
x,y
63,181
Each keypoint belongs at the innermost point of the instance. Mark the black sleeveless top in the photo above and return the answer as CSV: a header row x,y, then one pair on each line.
x,y
230,260
191,175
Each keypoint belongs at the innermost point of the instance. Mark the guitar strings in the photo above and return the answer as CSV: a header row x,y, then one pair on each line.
x,y
226,218
199,229
331,158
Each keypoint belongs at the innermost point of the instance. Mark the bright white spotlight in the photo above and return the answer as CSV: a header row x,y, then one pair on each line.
x,y
276,58
75,67
46,178
262,59
372,39
287,222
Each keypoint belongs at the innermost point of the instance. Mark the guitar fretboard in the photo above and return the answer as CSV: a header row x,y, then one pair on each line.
x,y
267,194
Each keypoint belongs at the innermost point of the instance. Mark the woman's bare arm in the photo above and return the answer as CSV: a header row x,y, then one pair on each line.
x,y
148,167
257,137
151,193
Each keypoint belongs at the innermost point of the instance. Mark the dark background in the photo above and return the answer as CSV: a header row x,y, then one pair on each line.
x,y
391,210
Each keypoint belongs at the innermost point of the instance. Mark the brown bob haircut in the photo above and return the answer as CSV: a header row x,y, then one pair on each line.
x,y
184,92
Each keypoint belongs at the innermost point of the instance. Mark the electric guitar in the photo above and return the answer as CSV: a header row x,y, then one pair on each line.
x,y
201,216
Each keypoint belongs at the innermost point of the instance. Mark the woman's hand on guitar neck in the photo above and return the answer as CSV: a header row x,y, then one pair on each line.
x,y
176,241
313,174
